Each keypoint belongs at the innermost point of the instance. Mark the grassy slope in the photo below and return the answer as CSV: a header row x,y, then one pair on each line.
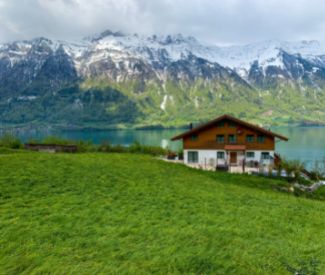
x,y
115,213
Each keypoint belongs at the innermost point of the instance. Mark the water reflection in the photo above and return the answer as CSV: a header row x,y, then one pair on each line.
x,y
305,143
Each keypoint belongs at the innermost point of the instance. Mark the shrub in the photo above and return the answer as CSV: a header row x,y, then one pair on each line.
x,y
180,154
136,147
118,149
4,151
319,193
57,140
104,146
304,181
318,171
293,167
279,167
10,141
287,167
298,167
86,146
316,175
33,141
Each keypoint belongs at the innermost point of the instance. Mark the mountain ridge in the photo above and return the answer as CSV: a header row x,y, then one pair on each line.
x,y
115,79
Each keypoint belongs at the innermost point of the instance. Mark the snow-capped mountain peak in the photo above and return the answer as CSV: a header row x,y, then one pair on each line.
x,y
159,50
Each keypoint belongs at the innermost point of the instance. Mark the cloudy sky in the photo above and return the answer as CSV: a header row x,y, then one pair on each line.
x,y
214,21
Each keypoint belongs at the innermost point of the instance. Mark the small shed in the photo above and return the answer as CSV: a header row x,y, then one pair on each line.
x,y
52,148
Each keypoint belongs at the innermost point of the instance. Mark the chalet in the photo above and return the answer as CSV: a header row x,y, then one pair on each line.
x,y
231,144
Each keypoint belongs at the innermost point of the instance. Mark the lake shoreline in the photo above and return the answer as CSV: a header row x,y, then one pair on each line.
x,y
306,143
86,128
118,127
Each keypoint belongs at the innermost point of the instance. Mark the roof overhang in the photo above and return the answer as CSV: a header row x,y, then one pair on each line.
x,y
231,118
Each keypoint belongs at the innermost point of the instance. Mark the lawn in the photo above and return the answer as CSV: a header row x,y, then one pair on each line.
x,y
134,214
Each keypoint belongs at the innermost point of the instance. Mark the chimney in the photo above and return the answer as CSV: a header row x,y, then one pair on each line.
x,y
191,126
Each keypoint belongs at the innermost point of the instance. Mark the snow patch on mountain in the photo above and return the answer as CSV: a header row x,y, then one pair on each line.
x,y
176,47
123,52
266,53
164,103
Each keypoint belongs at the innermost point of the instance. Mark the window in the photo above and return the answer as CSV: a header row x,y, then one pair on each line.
x,y
193,157
231,124
220,155
194,137
265,155
250,155
232,138
221,138
250,138
260,139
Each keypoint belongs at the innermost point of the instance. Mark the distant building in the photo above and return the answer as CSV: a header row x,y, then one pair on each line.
x,y
51,148
231,144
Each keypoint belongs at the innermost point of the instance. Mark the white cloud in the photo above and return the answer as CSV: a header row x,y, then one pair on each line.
x,y
219,21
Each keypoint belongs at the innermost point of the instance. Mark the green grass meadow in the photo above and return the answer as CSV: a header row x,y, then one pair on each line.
x,y
99,213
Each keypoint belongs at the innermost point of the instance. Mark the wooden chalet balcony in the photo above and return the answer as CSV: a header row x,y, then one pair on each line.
x,y
213,144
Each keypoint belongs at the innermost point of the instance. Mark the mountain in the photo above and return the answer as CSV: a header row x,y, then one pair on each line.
x,y
121,80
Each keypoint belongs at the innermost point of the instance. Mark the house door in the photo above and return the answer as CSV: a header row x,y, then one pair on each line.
x,y
233,157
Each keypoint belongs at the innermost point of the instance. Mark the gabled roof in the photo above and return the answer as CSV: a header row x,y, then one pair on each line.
x,y
231,118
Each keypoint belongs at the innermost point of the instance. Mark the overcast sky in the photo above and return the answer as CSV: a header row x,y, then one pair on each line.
x,y
214,21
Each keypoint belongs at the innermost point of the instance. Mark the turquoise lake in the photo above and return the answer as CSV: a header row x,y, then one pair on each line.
x,y
305,143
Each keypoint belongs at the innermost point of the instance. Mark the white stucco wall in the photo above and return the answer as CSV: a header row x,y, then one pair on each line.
x,y
258,156
209,157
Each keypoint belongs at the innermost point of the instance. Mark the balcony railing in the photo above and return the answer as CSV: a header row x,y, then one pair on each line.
x,y
216,145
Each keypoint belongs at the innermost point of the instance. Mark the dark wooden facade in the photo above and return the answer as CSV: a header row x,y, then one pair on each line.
x,y
251,137
207,138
